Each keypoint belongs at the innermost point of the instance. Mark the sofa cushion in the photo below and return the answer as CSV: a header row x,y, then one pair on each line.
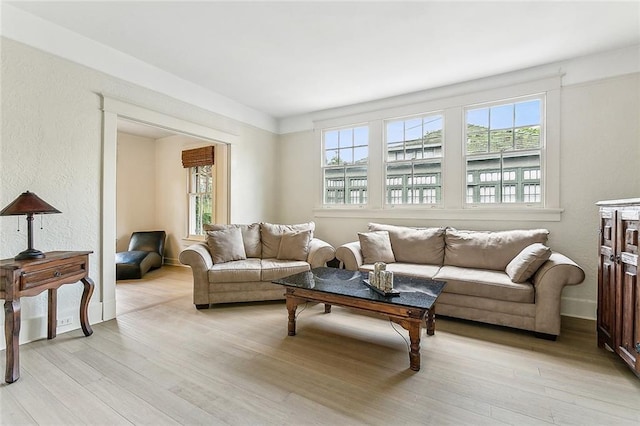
x,y
226,245
488,250
272,233
273,269
236,272
527,262
294,246
250,236
414,245
410,269
484,283
376,247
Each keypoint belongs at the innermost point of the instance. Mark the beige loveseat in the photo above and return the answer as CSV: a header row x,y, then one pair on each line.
x,y
507,278
238,262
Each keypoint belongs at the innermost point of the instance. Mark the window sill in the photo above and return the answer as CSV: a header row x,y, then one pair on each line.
x,y
497,214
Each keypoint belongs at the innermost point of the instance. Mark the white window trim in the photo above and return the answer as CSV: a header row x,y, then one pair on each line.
x,y
543,150
320,179
190,235
453,206
385,163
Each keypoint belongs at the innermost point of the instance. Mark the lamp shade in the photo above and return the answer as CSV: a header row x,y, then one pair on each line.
x,y
28,203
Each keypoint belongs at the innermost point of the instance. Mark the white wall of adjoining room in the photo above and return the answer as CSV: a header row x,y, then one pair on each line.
x,y
599,152
151,189
52,144
135,187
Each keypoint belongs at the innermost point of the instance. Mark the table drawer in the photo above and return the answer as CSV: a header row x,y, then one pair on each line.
x,y
31,279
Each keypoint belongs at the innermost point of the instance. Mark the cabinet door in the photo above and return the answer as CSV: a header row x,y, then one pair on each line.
x,y
606,279
628,298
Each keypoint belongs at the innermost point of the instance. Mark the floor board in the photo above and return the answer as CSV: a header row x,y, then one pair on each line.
x,y
164,362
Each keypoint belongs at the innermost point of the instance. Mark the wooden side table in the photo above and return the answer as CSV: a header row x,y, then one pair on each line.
x,y
20,278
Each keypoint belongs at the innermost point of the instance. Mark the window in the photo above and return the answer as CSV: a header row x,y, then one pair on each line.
x,y
491,152
414,160
200,198
199,163
504,144
346,155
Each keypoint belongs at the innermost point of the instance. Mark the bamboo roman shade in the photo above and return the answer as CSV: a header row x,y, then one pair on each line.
x,y
197,157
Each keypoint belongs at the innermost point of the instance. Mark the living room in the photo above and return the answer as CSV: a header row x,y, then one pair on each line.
x,y
64,97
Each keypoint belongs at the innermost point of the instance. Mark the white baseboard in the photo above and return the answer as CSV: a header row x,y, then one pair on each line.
x,y
579,308
32,329
172,261
109,309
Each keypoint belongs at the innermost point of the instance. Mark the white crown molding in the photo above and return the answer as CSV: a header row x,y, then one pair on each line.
x,y
44,35
574,71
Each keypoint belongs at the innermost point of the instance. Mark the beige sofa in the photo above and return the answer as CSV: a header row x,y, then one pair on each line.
x,y
238,262
508,278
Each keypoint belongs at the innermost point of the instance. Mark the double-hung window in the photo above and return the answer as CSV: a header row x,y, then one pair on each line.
x,y
413,161
200,198
345,162
200,189
503,151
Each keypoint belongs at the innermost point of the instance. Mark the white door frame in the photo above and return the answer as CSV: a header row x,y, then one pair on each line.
x,y
113,109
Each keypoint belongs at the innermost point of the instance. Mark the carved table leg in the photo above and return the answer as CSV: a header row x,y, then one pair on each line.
x,y
84,306
292,304
12,337
414,351
327,308
431,321
52,309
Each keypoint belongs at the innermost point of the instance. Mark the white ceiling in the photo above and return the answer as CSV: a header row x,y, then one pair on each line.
x,y
292,58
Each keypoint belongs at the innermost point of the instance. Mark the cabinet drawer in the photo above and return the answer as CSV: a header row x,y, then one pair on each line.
x,y
31,279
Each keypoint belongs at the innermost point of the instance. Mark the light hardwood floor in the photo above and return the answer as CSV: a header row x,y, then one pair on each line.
x,y
163,362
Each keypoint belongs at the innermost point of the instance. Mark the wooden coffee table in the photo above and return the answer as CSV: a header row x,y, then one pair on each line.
x,y
331,286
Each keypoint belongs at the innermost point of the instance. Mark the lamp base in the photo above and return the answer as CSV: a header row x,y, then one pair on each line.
x,y
29,254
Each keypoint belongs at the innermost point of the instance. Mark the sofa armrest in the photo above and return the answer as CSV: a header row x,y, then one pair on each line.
x,y
556,273
320,252
198,257
350,256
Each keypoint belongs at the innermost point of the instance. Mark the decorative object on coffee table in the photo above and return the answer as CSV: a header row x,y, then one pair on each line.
x,y
29,203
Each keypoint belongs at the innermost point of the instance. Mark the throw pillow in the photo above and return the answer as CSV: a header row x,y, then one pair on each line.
x,y
527,262
294,246
272,233
226,245
414,245
486,249
376,247
250,236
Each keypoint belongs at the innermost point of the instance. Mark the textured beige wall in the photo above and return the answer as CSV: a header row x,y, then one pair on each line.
x,y
599,153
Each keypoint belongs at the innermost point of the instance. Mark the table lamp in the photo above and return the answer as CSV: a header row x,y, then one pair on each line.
x,y
28,203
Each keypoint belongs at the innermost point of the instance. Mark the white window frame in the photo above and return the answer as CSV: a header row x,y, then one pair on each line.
x,y
192,197
415,186
451,100
494,176
345,186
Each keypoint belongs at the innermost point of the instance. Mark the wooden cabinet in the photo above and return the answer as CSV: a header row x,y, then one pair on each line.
x,y
618,285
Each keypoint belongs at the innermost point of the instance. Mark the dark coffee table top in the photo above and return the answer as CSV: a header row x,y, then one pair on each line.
x,y
414,292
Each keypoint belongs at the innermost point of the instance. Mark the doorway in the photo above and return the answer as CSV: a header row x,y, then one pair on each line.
x,y
115,112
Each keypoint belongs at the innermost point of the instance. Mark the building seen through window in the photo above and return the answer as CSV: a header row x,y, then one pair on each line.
x,y
503,153
502,162
413,161
346,154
